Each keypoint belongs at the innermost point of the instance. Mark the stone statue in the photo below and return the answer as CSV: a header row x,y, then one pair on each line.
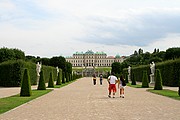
x,y
57,70
129,70
38,69
152,67
129,73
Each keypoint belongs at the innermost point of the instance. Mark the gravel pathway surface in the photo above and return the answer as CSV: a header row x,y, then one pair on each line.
x,y
83,101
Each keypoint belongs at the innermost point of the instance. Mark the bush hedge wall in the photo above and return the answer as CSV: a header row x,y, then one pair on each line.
x,y
170,72
11,72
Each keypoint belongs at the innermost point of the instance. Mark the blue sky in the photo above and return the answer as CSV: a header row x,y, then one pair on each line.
x,y
49,28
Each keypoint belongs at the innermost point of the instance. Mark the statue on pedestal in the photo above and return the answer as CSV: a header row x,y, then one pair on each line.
x,y
152,67
129,73
57,70
38,69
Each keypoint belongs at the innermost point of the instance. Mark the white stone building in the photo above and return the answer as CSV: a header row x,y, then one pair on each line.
x,y
91,59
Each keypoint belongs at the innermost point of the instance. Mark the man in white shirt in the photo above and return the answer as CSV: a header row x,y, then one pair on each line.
x,y
112,80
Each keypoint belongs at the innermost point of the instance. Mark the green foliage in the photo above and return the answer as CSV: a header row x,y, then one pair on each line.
x,y
68,67
67,76
41,85
133,80
58,61
145,81
126,77
158,80
51,81
63,77
179,88
172,53
170,71
116,67
59,78
26,84
10,54
11,72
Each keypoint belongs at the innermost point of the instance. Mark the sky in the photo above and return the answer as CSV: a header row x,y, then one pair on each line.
x,y
49,28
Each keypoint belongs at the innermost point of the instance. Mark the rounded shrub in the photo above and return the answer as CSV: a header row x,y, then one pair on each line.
x,y
51,81
158,80
26,84
41,85
58,82
145,81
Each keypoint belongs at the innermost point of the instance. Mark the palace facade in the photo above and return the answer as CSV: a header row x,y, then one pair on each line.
x,y
91,59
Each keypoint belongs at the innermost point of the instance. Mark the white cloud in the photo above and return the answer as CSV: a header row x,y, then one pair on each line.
x,y
58,27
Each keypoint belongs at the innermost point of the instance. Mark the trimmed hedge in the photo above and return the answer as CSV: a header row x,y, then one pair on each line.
x,y
26,84
133,80
11,72
158,80
170,72
41,84
59,82
145,80
51,81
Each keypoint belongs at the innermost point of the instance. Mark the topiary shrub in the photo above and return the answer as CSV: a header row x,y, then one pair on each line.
x,y
58,82
126,78
26,84
133,80
51,81
145,81
63,77
41,85
179,88
67,77
158,80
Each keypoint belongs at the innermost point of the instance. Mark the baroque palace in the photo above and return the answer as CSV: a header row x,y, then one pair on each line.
x,y
90,59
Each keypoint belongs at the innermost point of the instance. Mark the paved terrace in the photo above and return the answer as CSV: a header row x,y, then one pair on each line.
x,y
83,101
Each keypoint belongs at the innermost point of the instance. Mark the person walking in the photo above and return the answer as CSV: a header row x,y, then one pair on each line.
x,y
112,80
101,77
94,79
121,86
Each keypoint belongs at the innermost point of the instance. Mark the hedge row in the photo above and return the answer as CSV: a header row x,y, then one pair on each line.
x,y
170,72
11,72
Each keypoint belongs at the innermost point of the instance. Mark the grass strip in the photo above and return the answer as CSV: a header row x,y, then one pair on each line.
x,y
137,85
134,86
165,92
62,85
11,102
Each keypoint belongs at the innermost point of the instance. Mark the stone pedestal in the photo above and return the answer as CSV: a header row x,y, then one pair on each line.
x,y
129,77
38,79
152,79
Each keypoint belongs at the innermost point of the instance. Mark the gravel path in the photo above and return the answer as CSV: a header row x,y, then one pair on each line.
x,y
83,101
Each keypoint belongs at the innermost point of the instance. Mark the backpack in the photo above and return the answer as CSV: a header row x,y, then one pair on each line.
x,y
123,82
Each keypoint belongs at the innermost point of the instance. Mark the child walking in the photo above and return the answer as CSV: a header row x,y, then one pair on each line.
x,y
121,86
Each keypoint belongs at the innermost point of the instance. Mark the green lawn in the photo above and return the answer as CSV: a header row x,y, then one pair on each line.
x,y
135,86
59,86
11,102
166,92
